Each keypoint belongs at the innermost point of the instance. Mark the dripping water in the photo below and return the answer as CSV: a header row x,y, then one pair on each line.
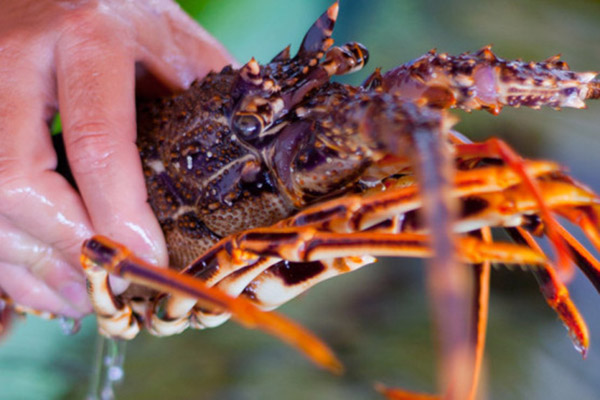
x,y
69,326
108,369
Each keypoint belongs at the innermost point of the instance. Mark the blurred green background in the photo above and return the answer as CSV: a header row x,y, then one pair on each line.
x,y
375,319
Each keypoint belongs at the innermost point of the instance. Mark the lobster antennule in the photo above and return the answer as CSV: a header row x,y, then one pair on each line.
x,y
318,38
450,302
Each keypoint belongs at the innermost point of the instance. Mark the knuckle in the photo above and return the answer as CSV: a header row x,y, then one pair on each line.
x,y
68,245
17,192
11,168
85,17
14,46
22,294
92,21
19,286
13,178
92,148
39,261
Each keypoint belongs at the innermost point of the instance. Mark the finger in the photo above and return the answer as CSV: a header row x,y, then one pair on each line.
x,y
32,196
44,263
95,75
25,289
204,51
176,49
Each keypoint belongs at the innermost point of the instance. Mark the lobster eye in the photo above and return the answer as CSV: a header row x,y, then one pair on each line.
x,y
247,124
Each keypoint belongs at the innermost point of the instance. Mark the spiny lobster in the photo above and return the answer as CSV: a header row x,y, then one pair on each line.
x,y
271,178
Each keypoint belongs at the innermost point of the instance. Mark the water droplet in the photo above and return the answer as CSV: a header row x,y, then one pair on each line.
x,y
109,370
580,347
69,326
107,393
115,373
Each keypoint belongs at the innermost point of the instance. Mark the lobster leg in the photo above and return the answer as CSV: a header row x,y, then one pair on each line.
x,y
497,147
480,312
509,207
250,252
587,219
307,244
101,252
586,262
556,293
342,215
362,212
336,254
323,251
377,213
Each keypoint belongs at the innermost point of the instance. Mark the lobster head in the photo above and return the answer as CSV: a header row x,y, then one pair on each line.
x,y
278,110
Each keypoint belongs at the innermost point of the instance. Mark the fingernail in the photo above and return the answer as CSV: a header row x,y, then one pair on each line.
x,y
76,294
71,312
147,244
118,285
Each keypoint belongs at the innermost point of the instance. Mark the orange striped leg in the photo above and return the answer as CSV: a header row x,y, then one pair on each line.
x,y
325,254
556,293
299,244
513,206
397,197
344,252
101,252
480,313
304,244
502,208
588,219
343,215
232,270
586,262
321,246
508,208
499,148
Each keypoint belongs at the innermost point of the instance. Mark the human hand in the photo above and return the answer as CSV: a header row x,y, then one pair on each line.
x,y
80,57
